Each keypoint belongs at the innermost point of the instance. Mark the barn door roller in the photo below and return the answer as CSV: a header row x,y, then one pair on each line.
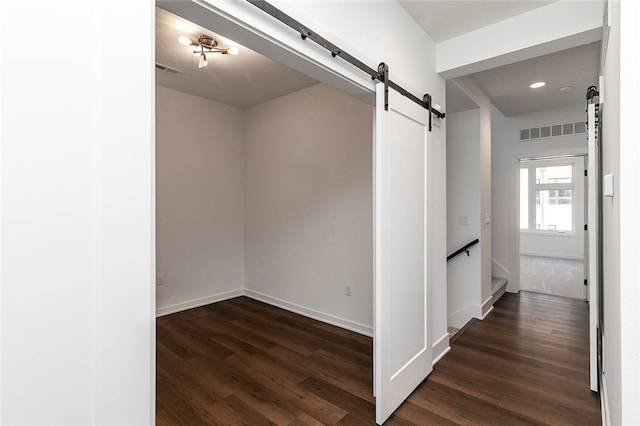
x,y
383,76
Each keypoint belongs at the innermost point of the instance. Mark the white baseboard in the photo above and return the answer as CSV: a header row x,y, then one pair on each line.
x,y
302,310
195,303
311,313
604,401
487,307
557,255
487,313
463,316
440,348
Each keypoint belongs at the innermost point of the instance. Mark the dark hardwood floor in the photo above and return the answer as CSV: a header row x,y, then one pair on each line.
x,y
245,362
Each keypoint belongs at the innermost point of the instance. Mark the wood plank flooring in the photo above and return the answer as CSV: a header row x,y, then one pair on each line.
x,y
245,362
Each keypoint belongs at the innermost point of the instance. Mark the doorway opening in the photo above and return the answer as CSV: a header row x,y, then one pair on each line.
x,y
264,189
264,180
552,216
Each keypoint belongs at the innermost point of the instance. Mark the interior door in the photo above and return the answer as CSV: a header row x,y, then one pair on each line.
x,y
592,255
402,348
585,251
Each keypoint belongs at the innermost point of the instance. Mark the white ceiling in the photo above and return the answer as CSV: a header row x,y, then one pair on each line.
x,y
241,81
508,86
445,19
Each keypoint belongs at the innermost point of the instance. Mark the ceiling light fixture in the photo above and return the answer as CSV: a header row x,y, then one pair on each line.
x,y
565,88
207,44
537,84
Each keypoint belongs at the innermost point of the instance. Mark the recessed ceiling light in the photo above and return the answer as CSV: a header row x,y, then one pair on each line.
x,y
565,88
537,84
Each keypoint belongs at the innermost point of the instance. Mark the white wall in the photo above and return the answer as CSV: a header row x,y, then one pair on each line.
x,y
348,24
613,377
629,186
568,245
506,152
307,188
483,158
309,204
437,244
199,200
463,199
564,246
77,224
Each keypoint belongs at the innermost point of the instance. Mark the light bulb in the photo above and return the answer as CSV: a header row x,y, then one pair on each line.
x,y
203,61
184,40
232,51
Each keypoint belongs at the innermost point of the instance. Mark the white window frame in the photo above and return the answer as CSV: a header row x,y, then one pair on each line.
x,y
532,187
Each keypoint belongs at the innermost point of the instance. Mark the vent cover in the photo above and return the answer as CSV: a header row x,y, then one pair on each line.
x,y
544,132
535,133
567,129
167,69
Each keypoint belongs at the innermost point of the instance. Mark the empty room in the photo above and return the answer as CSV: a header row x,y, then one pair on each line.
x,y
264,193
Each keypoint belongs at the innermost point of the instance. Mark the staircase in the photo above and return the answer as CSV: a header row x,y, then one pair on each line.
x,y
498,288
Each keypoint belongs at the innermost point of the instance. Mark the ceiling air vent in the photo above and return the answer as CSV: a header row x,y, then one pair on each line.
x,y
167,69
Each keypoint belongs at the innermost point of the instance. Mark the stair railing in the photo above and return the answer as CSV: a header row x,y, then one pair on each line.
x,y
464,249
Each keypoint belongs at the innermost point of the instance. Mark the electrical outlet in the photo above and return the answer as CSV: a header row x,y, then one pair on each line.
x,y
159,280
347,289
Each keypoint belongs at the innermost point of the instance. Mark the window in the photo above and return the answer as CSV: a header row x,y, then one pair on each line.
x,y
547,195
524,189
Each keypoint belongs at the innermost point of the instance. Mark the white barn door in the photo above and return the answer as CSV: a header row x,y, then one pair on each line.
x,y
402,345
592,256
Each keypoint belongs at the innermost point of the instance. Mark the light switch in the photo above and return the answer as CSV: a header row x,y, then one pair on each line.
x,y
607,185
487,218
